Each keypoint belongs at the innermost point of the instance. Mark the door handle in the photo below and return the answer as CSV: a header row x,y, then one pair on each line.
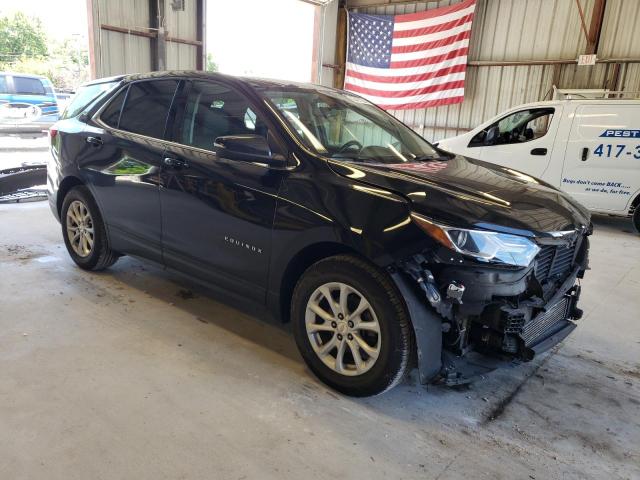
x,y
175,163
585,154
95,141
539,151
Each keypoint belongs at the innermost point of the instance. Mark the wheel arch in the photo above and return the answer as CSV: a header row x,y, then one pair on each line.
x,y
635,203
297,266
634,212
67,184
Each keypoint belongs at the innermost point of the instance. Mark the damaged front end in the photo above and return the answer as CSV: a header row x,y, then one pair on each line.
x,y
471,317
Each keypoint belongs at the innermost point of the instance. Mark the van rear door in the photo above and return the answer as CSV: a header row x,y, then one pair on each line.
x,y
602,160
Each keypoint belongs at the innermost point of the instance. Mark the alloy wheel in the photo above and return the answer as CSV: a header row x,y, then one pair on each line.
x,y
343,329
80,228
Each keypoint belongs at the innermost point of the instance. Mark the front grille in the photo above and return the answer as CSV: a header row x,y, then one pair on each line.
x,y
546,321
553,261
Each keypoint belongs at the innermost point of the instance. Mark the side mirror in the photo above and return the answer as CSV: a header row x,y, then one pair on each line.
x,y
492,135
242,147
246,148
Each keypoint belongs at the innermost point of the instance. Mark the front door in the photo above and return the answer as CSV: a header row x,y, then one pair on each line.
x,y
522,140
602,161
217,213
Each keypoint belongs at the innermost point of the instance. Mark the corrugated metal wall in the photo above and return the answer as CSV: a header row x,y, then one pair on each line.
x,y
116,52
522,30
181,25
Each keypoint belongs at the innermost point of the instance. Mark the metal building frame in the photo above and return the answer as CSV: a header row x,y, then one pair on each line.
x,y
155,31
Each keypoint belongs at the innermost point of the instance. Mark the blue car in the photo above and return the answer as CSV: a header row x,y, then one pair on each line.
x,y
28,104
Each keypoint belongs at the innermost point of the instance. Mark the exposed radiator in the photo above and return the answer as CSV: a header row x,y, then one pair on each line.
x,y
544,323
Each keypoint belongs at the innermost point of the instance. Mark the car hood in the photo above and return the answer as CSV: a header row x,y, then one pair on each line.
x,y
470,193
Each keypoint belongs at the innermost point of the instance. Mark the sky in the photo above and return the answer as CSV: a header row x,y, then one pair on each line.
x,y
267,38
60,19
270,38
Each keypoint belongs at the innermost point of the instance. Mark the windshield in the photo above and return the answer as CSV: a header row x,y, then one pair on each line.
x,y
344,126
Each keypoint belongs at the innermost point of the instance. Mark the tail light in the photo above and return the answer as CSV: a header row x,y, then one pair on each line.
x,y
53,132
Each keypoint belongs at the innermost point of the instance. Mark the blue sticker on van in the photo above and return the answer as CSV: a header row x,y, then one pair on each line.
x,y
621,133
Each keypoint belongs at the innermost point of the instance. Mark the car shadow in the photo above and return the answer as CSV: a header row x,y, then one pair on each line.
x,y
241,318
613,224
258,327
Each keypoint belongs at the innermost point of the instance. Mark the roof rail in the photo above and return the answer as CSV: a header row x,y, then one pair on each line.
x,y
592,94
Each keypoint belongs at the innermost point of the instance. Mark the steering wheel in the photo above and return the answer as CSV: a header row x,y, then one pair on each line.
x,y
349,144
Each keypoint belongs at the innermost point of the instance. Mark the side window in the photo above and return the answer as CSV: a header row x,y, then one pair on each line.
x,y
86,95
111,114
28,86
518,127
4,88
214,110
146,107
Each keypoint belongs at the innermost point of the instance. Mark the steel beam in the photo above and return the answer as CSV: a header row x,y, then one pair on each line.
x,y
341,49
201,51
381,3
595,28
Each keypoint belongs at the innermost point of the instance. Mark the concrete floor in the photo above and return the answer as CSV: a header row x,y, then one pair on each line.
x,y
132,373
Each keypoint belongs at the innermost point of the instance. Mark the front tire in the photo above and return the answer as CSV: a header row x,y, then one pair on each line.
x,y
84,232
351,326
636,218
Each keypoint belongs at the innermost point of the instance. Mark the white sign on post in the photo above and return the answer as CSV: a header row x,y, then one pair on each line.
x,y
587,59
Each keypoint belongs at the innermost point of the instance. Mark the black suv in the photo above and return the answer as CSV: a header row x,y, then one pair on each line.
x,y
384,251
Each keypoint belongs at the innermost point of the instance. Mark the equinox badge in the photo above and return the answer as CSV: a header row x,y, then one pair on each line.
x,y
241,244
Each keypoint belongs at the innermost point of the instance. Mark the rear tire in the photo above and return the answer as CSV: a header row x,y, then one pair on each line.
x,y
83,230
636,218
351,326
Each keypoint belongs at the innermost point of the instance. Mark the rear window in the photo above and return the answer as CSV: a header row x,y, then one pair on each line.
x,y
146,108
3,84
28,86
86,95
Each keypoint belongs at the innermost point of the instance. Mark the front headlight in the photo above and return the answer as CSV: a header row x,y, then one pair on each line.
x,y
482,245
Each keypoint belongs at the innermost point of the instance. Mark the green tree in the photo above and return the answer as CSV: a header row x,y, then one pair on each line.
x,y
21,37
211,65
72,51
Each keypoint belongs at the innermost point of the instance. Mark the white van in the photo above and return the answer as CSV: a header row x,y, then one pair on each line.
x,y
587,148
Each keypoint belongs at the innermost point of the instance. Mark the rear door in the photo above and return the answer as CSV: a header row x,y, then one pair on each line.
x,y
522,140
120,156
602,160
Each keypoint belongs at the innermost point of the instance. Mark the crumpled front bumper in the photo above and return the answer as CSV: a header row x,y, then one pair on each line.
x,y
501,319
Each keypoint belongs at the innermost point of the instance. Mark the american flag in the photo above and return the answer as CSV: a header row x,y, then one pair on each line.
x,y
417,60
